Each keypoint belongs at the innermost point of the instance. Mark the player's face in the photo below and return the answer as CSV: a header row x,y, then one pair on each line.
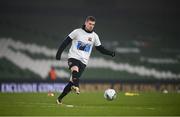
x,y
89,25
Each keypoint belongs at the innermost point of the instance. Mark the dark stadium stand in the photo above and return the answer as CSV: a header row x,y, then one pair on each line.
x,y
141,37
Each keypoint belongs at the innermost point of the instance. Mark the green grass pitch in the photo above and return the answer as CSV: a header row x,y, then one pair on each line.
x,y
146,104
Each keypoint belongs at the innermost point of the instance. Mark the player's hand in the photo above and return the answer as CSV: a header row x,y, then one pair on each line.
x,y
113,54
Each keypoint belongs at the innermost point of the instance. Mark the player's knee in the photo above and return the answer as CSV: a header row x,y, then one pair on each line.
x,y
75,74
75,77
75,68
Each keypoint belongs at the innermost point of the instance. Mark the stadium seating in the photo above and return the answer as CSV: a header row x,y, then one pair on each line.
x,y
20,54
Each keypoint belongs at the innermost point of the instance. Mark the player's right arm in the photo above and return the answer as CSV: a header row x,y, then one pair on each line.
x,y
63,45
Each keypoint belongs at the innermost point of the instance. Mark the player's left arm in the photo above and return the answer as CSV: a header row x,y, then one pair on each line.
x,y
103,50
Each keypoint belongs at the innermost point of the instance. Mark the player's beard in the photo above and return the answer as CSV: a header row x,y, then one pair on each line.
x,y
90,29
86,29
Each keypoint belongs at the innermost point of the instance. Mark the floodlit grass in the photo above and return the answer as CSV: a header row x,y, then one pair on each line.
x,y
145,104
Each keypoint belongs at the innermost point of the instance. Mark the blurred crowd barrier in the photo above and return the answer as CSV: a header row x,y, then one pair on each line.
x,y
89,87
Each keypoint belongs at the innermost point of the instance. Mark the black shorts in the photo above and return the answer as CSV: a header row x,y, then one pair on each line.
x,y
74,62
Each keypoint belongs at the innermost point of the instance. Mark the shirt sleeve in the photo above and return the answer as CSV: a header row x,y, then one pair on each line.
x,y
97,40
73,34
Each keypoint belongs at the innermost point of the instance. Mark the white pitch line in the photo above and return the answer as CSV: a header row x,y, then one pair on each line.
x,y
70,106
44,104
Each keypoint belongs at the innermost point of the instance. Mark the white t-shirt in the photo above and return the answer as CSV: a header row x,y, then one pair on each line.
x,y
82,44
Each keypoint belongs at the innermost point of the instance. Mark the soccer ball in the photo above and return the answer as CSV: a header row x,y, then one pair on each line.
x,y
110,94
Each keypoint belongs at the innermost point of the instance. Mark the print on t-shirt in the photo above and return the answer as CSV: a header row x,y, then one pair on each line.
x,y
84,47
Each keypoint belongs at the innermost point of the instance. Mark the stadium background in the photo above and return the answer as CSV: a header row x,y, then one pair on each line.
x,y
145,35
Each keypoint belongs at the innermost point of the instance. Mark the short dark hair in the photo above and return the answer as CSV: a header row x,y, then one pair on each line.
x,y
91,18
